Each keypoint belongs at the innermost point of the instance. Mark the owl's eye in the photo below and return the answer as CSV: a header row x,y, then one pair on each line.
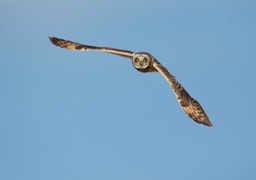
x,y
145,60
136,60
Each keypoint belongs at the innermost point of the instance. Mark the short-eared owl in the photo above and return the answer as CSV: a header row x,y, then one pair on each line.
x,y
145,62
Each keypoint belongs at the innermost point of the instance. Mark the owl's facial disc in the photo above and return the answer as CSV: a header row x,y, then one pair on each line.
x,y
141,61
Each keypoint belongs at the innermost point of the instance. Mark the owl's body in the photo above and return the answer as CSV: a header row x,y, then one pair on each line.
x,y
145,62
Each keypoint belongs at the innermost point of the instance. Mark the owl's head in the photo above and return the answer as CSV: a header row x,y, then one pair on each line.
x,y
141,60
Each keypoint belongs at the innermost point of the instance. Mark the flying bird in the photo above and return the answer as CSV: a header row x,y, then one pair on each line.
x,y
145,62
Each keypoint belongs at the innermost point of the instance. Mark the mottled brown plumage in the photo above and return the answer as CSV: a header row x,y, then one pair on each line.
x,y
193,109
145,62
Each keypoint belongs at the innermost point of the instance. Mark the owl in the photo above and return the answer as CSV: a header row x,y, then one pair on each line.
x,y
145,62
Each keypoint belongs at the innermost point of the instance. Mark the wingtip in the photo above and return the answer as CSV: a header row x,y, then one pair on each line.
x,y
208,123
51,38
55,41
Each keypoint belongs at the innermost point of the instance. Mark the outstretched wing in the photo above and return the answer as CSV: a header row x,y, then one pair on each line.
x,y
83,47
193,109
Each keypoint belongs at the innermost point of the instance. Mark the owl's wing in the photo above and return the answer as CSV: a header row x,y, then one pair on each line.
x,y
83,47
193,109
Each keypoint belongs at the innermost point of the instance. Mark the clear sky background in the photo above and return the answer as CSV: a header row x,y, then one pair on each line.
x,y
90,115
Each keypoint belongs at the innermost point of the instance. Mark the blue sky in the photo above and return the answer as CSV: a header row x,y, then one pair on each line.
x,y
90,115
